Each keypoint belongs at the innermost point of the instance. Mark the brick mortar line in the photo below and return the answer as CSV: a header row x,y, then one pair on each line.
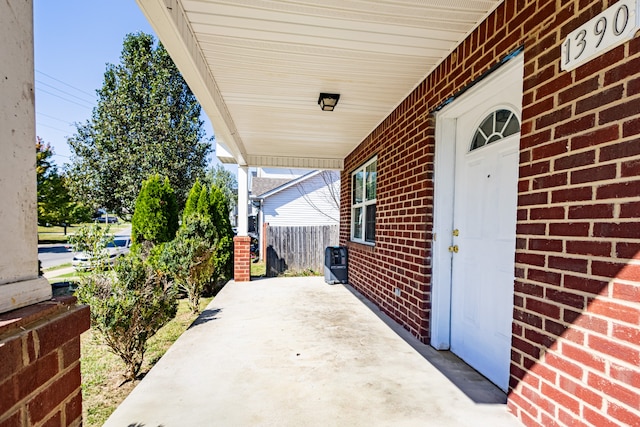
x,y
561,340
582,403
625,99
596,315
558,352
579,292
61,407
573,102
585,239
573,273
567,141
23,403
607,201
572,152
570,324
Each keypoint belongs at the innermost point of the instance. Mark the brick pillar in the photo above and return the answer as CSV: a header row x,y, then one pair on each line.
x,y
241,258
40,364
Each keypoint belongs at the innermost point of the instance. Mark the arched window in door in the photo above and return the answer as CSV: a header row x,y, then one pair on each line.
x,y
496,126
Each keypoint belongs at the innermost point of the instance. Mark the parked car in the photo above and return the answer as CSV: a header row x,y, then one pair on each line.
x,y
111,219
114,250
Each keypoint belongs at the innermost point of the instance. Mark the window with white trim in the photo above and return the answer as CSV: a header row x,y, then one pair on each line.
x,y
363,202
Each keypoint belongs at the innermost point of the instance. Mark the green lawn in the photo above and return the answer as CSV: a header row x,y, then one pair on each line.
x,y
75,275
102,382
58,267
55,233
258,269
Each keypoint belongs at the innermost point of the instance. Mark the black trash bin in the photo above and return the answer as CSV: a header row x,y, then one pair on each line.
x,y
335,265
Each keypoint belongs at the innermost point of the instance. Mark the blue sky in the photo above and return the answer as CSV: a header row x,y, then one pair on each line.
x,y
74,40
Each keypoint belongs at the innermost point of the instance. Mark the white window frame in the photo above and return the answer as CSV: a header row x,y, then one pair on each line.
x,y
364,204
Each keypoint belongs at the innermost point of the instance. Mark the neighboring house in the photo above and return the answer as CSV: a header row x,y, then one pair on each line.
x,y
311,199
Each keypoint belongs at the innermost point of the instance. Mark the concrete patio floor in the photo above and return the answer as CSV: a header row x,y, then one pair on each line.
x,y
299,352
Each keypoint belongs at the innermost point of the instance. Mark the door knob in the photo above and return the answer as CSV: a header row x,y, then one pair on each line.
x,y
453,249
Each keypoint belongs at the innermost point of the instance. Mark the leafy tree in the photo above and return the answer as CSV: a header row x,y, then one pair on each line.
x,y
55,205
218,176
219,211
203,202
191,206
146,121
156,213
128,306
223,198
201,255
213,205
44,152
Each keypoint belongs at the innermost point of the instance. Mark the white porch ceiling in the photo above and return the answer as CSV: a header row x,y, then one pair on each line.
x,y
258,66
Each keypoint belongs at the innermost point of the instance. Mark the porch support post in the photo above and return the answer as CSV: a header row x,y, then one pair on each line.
x,y
39,336
20,284
242,242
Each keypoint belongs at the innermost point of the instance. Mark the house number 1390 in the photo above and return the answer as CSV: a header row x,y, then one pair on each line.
x,y
610,28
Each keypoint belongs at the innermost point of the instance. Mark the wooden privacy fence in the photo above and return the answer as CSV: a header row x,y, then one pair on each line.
x,y
297,249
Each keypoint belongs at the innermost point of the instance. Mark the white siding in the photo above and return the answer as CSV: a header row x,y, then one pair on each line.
x,y
307,203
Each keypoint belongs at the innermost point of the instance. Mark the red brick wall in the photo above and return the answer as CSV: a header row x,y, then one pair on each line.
x,y
404,199
40,364
576,344
242,258
576,333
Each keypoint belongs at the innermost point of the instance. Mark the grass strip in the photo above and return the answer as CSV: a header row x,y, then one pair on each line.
x,y
102,387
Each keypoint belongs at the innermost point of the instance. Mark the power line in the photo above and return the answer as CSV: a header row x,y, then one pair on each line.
x,y
51,127
65,99
55,118
63,91
66,84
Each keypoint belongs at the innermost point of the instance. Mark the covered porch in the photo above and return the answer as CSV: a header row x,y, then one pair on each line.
x,y
296,351
263,70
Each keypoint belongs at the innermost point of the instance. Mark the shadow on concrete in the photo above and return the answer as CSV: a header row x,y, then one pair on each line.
x,y
473,384
141,425
206,316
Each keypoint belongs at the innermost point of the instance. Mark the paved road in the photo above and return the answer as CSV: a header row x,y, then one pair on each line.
x,y
54,254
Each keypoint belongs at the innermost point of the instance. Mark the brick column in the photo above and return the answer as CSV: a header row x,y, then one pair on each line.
x,y
40,364
241,258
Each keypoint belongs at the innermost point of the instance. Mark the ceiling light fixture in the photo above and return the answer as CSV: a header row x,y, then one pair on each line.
x,y
328,101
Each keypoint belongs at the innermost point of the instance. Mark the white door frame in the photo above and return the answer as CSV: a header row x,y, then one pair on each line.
x,y
443,209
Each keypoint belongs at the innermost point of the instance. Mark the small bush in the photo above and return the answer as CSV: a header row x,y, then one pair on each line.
x,y
92,239
128,305
190,258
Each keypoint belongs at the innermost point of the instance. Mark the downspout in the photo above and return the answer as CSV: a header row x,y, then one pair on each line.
x,y
260,230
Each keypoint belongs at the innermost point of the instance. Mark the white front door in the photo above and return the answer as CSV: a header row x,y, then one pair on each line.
x,y
484,223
